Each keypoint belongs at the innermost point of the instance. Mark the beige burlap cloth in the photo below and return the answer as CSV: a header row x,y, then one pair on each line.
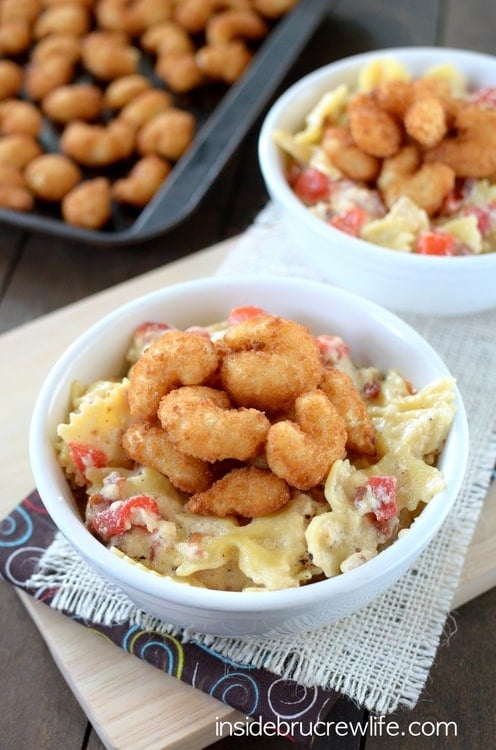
x,y
381,656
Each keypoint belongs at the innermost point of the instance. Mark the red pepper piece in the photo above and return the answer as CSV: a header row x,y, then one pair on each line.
x,y
87,457
240,314
118,518
435,243
350,221
311,186
379,497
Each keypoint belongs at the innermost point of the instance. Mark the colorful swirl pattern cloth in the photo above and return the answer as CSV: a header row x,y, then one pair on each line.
x,y
26,533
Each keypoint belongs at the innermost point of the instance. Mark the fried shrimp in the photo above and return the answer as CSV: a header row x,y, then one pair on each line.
x,y
193,15
88,205
374,130
17,116
269,361
302,451
98,145
425,121
224,62
149,445
472,151
341,392
228,25
142,182
52,176
248,492
176,358
427,184
81,101
201,422
10,79
354,163
169,134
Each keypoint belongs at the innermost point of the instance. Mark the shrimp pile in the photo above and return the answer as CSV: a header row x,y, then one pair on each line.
x,y
77,73
395,161
252,453
252,406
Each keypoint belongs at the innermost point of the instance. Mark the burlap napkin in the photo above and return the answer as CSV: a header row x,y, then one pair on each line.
x,y
381,656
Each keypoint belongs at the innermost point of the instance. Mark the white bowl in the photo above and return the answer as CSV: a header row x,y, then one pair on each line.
x,y
375,335
403,282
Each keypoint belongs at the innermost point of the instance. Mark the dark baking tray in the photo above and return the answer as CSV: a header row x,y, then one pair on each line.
x,y
227,118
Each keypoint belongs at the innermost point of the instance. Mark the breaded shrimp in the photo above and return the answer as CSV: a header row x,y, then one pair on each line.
x,y
404,175
193,15
273,8
233,24
149,445
169,134
302,451
52,176
425,121
374,130
144,179
80,101
10,79
472,151
339,145
61,44
340,390
18,149
268,361
88,205
176,358
17,116
98,145
224,62
200,421
247,492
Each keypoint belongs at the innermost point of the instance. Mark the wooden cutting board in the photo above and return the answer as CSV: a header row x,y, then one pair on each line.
x,y
103,677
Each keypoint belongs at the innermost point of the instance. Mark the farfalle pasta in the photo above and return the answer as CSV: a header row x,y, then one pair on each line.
x,y
292,464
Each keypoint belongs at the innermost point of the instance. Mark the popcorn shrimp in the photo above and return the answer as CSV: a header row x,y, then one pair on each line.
x,y
235,24
46,75
10,79
302,451
17,116
341,392
60,44
426,184
145,106
67,18
122,90
168,134
268,361
15,37
18,149
52,176
347,157
149,445
107,55
374,131
273,8
224,62
81,101
98,145
193,15
176,358
179,70
201,421
88,205
142,182
425,121
248,492
472,151
19,10
168,36
15,198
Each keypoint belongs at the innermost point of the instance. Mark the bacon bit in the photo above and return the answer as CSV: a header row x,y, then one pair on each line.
x,y
333,348
371,389
484,217
485,95
378,496
121,515
240,314
86,457
350,221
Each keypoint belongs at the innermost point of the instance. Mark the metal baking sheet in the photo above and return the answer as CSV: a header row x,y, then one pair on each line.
x,y
224,118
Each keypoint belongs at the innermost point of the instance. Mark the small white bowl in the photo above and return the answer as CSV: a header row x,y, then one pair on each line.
x,y
403,282
376,337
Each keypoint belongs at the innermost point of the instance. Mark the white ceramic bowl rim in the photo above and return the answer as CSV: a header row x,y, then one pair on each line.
x,y
42,455
268,158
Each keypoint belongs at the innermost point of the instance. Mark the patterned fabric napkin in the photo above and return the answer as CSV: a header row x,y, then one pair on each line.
x,y
28,533
381,656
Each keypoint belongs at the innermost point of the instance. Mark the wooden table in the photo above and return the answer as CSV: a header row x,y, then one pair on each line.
x,y
40,275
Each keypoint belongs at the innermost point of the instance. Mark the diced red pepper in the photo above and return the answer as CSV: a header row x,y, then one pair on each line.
x,y
311,186
148,332
333,348
87,457
378,496
350,221
240,314
118,517
435,243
